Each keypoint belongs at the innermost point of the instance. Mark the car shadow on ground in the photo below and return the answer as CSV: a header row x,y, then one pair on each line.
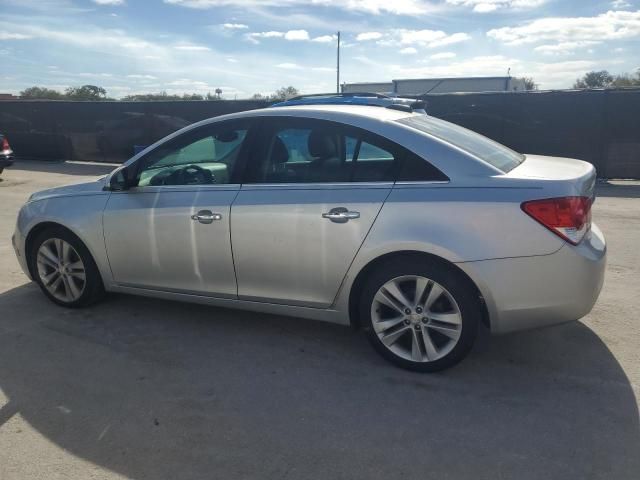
x,y
154,389
65,168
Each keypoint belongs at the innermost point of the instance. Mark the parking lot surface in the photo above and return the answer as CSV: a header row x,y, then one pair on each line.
x,y
149,389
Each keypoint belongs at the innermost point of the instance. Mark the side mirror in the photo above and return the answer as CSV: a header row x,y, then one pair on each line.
x,y
120,180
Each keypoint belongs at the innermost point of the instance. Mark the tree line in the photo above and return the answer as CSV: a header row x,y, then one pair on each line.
x,y
594,79
603,79
94,93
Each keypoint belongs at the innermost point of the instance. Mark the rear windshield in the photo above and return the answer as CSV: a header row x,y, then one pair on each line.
x,y
493,153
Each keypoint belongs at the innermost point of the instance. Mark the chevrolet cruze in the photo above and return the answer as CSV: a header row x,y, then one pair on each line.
x,y
410,228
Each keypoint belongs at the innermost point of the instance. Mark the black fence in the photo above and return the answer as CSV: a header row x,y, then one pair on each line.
x,y
101,131
600,126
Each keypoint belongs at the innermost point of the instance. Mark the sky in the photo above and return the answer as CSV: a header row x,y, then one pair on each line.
x,y
256,46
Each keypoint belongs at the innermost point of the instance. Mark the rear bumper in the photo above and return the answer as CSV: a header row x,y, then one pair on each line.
x,y
6,160
530,292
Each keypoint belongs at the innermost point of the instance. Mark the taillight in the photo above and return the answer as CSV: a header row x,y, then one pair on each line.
x,y
567,217
5,144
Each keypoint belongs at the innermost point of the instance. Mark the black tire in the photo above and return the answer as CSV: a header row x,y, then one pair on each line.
x,y
460,288
93,288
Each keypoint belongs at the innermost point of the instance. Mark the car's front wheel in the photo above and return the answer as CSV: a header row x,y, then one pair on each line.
x,y
64,269
419,314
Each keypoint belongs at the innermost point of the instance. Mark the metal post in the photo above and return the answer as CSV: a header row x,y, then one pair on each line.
x,y
338,67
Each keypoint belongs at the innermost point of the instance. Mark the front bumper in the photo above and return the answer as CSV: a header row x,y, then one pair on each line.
x,y
19,243
529,292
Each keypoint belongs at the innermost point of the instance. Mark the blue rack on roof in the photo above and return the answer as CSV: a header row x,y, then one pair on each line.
x,y
359,98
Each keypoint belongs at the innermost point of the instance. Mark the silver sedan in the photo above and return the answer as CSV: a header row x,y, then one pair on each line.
x,y
408,227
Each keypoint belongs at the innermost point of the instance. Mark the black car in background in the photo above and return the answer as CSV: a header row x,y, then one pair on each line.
x,y
6,154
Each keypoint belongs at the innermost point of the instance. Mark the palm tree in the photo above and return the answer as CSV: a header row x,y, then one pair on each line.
x,y
218,92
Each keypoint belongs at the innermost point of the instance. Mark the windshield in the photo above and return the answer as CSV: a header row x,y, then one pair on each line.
x,y
493,153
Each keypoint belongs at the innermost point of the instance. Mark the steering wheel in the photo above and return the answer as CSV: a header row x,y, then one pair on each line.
x,y
190,175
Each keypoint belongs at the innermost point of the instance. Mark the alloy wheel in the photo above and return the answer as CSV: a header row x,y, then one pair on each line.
x,y
61,270
416,318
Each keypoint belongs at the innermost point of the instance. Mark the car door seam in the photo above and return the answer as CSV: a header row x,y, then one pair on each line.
x,y
233,257
335,298
104,238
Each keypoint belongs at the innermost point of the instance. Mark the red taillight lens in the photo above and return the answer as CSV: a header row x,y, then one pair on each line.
x,y
5,144
567,217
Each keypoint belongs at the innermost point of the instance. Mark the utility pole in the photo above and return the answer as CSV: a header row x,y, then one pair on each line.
x,y
338,67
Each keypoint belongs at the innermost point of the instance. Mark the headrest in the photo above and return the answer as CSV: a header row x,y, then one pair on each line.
x,y
279,152
322,144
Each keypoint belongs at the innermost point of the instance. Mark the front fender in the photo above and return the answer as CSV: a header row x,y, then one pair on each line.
x,y
82,215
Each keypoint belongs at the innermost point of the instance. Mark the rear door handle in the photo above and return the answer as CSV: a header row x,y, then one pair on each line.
x,y
340,215
206,216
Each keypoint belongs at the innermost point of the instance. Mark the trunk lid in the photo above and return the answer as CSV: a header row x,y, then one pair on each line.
x,y
560,176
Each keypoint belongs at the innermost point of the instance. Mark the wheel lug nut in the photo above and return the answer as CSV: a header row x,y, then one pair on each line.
x,y
419,310
417,326
424,320
407,311
407,322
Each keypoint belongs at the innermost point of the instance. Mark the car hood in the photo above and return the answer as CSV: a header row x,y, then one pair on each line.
x,y
87,188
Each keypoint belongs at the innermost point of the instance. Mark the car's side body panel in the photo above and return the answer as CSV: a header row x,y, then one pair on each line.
x,y
153,242
286,252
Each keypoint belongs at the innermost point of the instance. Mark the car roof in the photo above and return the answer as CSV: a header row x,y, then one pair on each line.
x,y
363,111
347,99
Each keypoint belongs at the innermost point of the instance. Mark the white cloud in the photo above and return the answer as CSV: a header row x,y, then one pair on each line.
x,y
14,36
192,48
442,55
363,37
109,2
187,82
94,75
423,38
323,69
408,51
450,40
234,26
486,6
564,48
607,26
296,35
142,77
398,7
289,66
253,37
620,4
232,60
291,35
325,39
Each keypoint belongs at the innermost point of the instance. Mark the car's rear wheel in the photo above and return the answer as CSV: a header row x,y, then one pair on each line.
x,y
64,269
420,315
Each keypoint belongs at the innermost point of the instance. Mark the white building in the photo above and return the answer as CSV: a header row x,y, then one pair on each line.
x,y
423,86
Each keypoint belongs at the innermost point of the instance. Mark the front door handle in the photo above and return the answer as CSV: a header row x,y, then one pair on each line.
x,y
340,215
206,216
